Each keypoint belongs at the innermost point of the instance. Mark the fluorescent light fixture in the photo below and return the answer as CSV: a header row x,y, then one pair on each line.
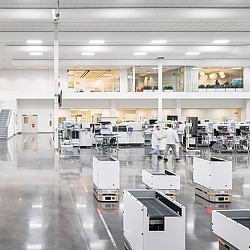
x,y
96,41
85,73
237,68
155,68
158,41
34,247
34,41
105,73
140,53
196,68
88,53
37,206
36,53
36,225
221,41
192,53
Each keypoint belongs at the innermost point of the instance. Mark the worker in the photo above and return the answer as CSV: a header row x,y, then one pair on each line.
x,y
171,140
156,142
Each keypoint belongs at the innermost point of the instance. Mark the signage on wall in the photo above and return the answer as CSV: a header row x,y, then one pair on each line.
x,y
33,125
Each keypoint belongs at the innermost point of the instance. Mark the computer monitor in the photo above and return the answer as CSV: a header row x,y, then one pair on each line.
x,y
105,131
172,117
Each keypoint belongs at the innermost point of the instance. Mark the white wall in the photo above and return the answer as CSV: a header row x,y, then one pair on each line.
x,y
37,81
42,108
211,114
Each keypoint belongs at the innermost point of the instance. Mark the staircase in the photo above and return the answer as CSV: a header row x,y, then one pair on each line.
x,y
4,119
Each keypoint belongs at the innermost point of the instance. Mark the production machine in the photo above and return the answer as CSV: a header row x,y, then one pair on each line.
x,y
152,220
202,135
242,138
165,181
106,178
71,132
86,135
232,228
213,179
225,138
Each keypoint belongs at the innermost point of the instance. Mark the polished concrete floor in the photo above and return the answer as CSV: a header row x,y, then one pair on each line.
x,y
46,199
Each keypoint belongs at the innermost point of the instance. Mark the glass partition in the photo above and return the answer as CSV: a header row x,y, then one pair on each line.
x,y
220,78
94,81
173,79
146,78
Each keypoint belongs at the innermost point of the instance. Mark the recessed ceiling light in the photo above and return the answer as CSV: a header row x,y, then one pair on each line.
x,y
221,41
36,53
88,53
34,41
140,53
197,68
192,53
158,41
96,41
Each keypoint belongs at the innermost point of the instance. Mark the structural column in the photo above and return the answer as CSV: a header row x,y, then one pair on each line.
x,y
178,109
160,61
113,110
133,83
56,91
247,116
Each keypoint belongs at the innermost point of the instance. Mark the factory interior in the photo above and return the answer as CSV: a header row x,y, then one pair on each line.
x,y
125,125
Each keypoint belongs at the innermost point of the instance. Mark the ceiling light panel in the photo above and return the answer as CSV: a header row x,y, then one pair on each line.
x,y
159,41
221,41
140,53
192,53
96,42
88,53
36,53
34,41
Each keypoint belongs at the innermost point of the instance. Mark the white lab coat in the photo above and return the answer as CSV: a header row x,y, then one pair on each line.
x,y
156,138
171,136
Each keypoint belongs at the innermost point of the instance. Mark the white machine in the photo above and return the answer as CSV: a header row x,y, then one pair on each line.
x,y
152,220
213,179
165,181
106,178
233,229
136,133
86,136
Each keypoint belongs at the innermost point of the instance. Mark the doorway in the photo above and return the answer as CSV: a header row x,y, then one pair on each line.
x,y
30,123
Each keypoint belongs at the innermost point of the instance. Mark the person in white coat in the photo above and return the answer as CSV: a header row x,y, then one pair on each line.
x,y
171,140
156,142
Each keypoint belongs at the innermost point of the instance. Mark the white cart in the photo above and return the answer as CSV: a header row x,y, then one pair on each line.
x,y
165,181
152,220
213,179
106,178
233,229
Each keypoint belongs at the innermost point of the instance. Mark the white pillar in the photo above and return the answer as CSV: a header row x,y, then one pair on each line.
x,y
160,75
56,65
159,108
178,108
133,85
247,116
246,79
123,80
113,110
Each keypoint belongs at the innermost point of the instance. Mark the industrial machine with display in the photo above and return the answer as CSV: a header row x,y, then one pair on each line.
x,y
213,179
152,220
106,178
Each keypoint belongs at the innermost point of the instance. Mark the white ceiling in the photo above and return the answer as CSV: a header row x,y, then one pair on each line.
x,y
123,3
127,26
